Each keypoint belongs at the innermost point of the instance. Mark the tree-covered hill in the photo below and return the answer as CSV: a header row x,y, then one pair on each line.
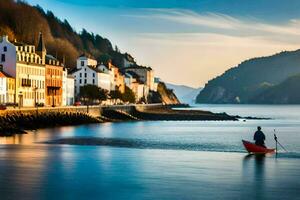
x,y
251,78
286,92
23,22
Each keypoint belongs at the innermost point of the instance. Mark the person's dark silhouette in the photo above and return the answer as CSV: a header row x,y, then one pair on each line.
x,y
259,137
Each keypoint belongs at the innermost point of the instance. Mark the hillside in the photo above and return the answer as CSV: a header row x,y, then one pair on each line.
x,y
250,78
23,23
185,94
163,95
286,92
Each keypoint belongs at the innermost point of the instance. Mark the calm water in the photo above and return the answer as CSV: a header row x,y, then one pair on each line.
x,y
174,160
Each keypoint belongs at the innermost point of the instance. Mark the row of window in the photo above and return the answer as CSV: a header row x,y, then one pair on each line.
x,y
31,95
85,75
53,62
54,72
29,49
53,83
32,71
33,58
85,81
31,83
54,92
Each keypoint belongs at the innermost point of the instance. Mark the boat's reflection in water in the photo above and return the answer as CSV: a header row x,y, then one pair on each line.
x,y
254,168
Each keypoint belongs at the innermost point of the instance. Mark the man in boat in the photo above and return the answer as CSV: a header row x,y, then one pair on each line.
x,y
259,137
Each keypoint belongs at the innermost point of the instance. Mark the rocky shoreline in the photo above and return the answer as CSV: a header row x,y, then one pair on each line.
x,y
18,122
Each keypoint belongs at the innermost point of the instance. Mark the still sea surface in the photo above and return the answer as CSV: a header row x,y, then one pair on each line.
x,y
166,160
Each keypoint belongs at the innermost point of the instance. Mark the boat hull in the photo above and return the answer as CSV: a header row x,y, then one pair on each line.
x,y
253,148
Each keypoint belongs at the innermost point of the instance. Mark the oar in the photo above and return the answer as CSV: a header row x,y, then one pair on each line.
x,y
277,142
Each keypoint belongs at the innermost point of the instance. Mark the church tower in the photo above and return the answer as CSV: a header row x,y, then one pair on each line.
x,y
41,49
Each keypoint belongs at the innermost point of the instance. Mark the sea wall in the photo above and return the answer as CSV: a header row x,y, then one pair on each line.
x,y
19,121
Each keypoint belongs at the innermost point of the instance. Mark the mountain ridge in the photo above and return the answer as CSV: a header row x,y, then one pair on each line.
x,y
250,78
185,94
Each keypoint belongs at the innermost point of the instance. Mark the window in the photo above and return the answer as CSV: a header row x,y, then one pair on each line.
x,y
82,63
5,48
94,81
85,81
85,75
80,81
3,58
93,74
80,75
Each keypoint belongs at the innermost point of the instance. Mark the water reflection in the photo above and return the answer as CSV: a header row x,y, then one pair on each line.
x,y
254,168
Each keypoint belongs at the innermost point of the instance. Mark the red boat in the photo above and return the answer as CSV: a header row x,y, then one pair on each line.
x,y
253,148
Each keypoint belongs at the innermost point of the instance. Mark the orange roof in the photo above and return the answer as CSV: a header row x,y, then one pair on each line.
x,y
3,75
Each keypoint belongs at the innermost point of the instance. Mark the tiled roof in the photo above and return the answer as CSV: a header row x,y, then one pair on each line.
x,y
72,71
4,75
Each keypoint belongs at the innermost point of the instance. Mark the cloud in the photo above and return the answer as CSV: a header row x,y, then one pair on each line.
x,y
217,43
220,23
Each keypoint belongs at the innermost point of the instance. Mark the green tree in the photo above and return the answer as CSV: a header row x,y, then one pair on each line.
x,y
91,93
128,95
115,94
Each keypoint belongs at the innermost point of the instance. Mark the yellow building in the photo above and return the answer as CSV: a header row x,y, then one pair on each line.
x,y
10,90
27,65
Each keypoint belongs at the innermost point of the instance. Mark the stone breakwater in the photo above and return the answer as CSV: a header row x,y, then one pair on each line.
x,y
19,122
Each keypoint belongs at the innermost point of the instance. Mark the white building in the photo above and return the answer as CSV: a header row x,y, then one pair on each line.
x,y
64,86
2,88
84,60
145,74
112,71
26,64
70,90
91,74
140,89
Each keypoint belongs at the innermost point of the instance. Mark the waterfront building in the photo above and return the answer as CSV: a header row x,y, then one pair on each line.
x,y
84,60
2,88
27,65
64,86
141,90
70,90
110,70
54,78
85,74
7,88
117,79
145,74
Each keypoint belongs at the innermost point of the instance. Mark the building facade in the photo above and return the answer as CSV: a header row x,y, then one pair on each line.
x,y
70,93
2,88
25,64
64,86
54,78
145,74
91,74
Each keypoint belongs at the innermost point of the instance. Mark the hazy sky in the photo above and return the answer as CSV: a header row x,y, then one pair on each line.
x,y
187,41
